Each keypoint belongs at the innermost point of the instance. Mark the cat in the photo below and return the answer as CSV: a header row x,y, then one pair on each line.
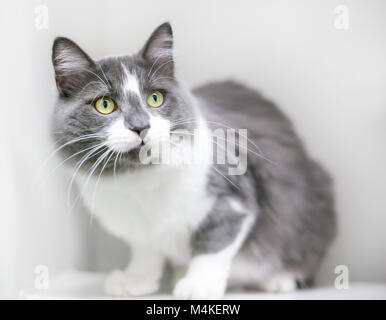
x,y
266,227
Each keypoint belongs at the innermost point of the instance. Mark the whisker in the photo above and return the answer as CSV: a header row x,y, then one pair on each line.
x,y
229,180
91,82
162,65
226,126
149,74
115,167
89,155
213,167
68,158
104,75
107,158
236,144
77,139
91,172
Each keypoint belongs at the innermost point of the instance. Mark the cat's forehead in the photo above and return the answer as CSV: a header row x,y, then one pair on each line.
x,y
132,73
117,68
115,63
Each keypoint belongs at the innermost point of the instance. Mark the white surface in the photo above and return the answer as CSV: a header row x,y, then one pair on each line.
x,y
331,82
81,285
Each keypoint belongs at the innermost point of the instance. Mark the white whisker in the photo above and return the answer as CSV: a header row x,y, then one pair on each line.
x,y
89,155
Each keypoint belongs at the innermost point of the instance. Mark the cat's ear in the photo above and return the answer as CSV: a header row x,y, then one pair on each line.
x,y
158,50
73,67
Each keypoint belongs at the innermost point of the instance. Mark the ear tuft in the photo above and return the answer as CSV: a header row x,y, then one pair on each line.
x,y
72,65
158,50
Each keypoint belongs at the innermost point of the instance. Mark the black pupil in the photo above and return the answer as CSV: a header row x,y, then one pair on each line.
x,y
155,97
105,103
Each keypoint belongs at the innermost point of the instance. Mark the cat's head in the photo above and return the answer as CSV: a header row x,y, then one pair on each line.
x,y
116,105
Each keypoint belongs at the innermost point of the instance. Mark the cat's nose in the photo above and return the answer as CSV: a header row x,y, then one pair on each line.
x,y
141,130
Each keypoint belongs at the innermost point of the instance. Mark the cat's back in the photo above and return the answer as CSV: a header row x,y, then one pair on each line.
x,y
234,105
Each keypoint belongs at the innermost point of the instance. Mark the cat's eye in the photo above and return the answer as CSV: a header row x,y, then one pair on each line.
x,y
155,99
105,105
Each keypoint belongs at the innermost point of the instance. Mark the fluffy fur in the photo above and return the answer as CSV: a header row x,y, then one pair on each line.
x,y
267,228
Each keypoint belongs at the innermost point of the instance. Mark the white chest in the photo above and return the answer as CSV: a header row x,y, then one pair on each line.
x,y
159,206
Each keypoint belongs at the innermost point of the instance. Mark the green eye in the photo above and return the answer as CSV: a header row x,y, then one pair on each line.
x,y
155,99
105,105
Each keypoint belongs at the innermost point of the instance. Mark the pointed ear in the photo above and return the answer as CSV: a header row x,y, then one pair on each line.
x,y
158,50
73,67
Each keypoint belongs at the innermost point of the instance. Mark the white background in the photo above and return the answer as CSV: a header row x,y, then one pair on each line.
x,y
331,83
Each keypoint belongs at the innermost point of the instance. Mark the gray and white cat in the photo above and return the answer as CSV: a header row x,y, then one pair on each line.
x,y
265,229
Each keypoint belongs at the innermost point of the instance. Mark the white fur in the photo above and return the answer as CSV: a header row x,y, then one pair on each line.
x,y
236,206
121,139
131,84
142,276
208,273
159,130
281,282
245,272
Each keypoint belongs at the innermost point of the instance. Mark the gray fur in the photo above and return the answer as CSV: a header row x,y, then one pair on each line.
x,y
219,229
289,194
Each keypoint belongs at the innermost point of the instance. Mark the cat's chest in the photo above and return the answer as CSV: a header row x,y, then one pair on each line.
x,y
160,205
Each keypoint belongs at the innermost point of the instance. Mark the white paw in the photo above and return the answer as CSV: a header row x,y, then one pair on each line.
x,y
123,284
280,283
191,288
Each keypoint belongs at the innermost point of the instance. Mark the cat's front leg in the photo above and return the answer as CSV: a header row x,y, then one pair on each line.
x,y
141,277
215,244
